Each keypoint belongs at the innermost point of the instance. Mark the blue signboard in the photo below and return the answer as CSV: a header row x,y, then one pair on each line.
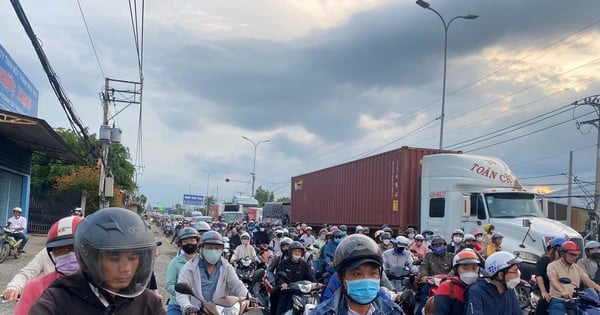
x,y
194,200
17,93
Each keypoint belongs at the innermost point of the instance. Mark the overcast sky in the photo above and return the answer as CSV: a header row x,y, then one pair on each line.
x,y
325,81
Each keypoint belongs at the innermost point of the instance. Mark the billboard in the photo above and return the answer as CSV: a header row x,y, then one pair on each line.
x,y
17,93
194,200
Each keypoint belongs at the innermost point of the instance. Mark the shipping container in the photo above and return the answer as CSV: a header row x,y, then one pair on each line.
x,y
376,190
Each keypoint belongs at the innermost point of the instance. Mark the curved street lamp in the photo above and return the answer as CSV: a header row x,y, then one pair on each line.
x,y
254,163
425,5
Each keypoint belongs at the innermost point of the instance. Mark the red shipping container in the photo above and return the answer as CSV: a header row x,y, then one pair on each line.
x,y
376,190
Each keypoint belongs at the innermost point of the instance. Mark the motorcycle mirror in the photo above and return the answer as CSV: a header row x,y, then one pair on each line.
x,y
417,263
414,251
564,280
184,288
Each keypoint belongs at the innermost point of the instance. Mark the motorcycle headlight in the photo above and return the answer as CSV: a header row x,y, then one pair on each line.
x,y
246,262
298,302
305,288
527,256
232,310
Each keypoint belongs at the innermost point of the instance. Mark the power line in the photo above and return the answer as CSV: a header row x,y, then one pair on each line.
x,y
91,41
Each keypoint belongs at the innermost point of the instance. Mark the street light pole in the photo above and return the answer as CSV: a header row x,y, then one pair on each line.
x,y
254,163
425,5
207,184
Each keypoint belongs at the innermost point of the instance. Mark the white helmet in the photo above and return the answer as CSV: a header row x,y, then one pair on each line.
x,y
401,241
17,209
499,261
358,228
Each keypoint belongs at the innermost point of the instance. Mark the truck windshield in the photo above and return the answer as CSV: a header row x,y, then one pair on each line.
x,y
512,205
232,216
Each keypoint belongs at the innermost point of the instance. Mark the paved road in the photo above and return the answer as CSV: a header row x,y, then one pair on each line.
x,y
37,243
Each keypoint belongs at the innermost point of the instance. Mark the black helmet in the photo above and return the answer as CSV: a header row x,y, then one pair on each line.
x,y
438,239
187,232
343,227
211,237
337,233
114,232
355,250
296,245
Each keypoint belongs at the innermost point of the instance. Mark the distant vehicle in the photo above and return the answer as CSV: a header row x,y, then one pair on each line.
x,y
277,212
237,210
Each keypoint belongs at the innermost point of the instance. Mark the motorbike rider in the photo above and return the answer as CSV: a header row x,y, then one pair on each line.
x,y
115,249
261,236
329,251
591,260
566,267
358,264
284,244
77,212
417,248
438,261
457,239
495,295
275,243
187,240
386,242
19,224
59,246
290,270
307,238
496,244
398,256
209,275
541,273
244,250
449,297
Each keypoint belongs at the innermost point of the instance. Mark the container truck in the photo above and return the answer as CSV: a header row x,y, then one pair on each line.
x,y
430,189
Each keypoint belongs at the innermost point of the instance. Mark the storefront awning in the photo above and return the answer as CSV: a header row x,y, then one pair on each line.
x,y
35,135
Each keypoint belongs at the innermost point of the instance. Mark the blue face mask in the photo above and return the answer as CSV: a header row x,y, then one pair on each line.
x,y
211,255
337,240
344,233
439,250
428,237
362,291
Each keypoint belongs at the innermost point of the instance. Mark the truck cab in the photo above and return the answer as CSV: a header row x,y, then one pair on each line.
x,y
460,191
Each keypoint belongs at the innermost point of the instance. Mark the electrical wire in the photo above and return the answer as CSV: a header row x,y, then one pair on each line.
x,y
91,40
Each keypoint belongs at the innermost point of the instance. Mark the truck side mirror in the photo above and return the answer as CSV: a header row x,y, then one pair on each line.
x,y
526,223
466,205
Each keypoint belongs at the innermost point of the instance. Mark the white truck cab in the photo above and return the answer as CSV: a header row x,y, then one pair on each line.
x,y
461,191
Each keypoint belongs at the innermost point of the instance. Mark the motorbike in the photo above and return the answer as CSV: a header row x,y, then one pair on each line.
x,y
588,300
403,282
228,305
8,245
523,292
261,289
245,270
305,297
227,252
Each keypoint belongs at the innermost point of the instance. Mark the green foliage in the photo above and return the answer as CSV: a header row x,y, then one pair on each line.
x,y
284,199
263,195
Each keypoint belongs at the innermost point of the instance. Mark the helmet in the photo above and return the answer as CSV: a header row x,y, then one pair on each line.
x,y
77,211
17,209
419,237
343,227
245,234
410,229
117,232
438,239
386,236
488,227
469,237
355,250
62,232
557,242
337,233
365,230
358,228
458,231
387,229
497,235
211,237
187,232
570,246
334,228
401,241
296,245
286,232
377,233
202,226
499,261
476,231
286,241
466,256
309,228
592,244
323,230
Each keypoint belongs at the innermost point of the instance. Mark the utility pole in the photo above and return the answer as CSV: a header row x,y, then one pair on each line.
x,y
595,102
105,142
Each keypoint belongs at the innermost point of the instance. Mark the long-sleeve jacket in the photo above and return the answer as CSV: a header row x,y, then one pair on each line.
x,y
484,298
436,264
32,291
393,259
40,265
73,295
590,266
328,253
172,275
227,284
294,271
450,297
244,251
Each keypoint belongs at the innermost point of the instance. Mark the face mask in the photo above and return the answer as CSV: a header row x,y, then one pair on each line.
x,y
457,239
439,250
279,235
296,257
386,242
411,235
262,229
399,250
212,255
344,233
362,291
595,256
479,238
512,283
491,232
469,277
245,242
471,246
189,248
322,236
337,240
67,264
428,237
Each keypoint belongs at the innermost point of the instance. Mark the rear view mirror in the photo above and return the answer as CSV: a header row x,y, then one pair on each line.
x,y
564,280
526,223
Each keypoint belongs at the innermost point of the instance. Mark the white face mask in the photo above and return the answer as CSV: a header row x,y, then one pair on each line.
x,y
386,242
296,257
457,239
479,238
512,283
411,235
469,277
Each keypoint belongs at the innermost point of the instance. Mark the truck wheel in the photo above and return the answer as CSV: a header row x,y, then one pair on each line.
x,y
4,251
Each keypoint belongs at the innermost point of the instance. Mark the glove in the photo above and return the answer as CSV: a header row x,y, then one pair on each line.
x,y
191,310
